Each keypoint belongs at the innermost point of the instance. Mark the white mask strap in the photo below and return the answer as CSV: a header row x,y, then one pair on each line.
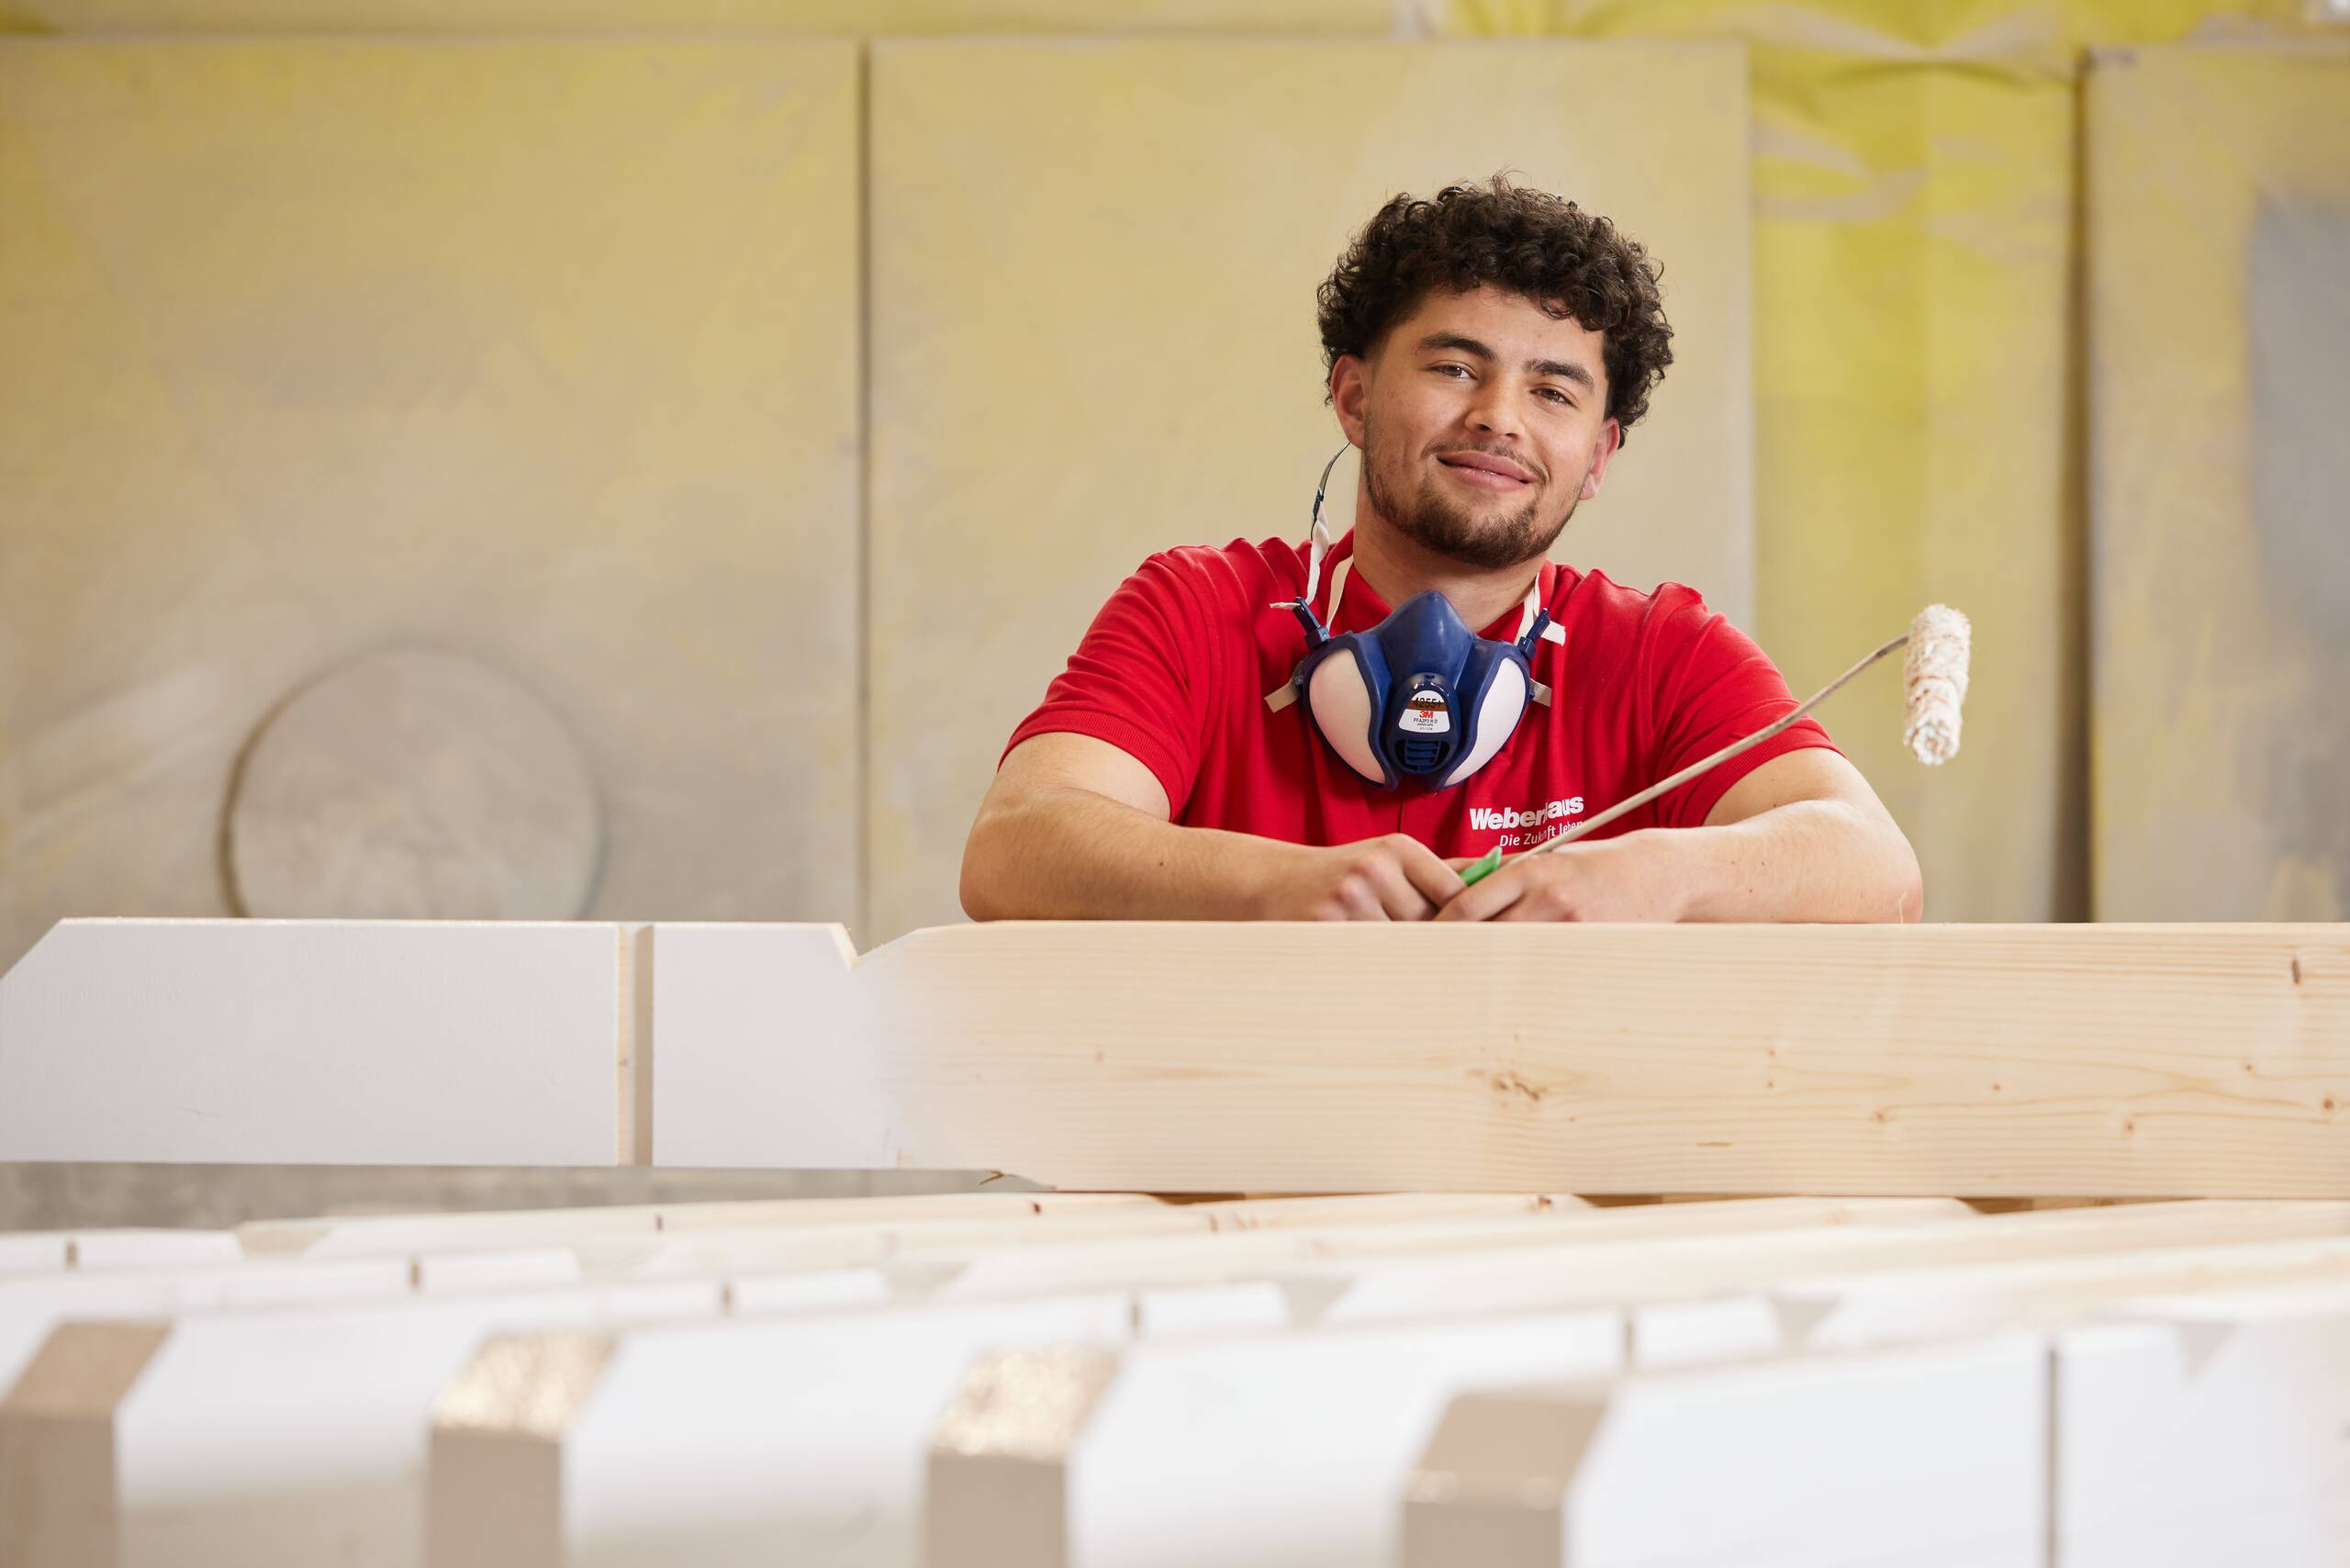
x,y
1317,533
1533,605
1337,590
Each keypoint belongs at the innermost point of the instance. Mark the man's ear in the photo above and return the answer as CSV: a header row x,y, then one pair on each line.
x,y
1611,436
1350,394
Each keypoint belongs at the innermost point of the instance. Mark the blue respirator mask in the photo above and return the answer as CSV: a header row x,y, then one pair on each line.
x,y
1419,695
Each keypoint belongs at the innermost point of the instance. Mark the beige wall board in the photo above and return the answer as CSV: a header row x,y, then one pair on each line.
x,y
2220,745
540,354
1093,285
330,1041
1916,400
1929,1455
762,18
2180,1060
289,1435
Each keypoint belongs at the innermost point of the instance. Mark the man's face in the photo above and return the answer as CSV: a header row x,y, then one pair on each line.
x,y
1482,421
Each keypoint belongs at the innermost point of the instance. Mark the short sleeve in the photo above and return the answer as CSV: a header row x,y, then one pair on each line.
x,y
1713,687
1137,681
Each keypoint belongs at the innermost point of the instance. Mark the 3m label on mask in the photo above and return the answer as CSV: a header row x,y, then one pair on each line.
x,y
1424,714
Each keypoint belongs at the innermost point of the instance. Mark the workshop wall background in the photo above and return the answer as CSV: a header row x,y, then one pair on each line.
x,y
487,459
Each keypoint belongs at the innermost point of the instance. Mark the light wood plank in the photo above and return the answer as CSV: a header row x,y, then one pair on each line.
x,y
2155,1060
1900,1305
1617,1258
1080,1213
453,1232
1324,1265
1645,1270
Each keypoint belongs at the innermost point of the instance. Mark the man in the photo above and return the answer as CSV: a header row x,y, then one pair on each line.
x,y
1485,352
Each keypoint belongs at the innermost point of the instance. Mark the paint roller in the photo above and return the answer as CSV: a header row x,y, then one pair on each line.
x,y
1934,684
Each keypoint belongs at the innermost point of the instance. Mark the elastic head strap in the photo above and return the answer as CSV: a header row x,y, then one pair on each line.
x,y
1531,609
1318,533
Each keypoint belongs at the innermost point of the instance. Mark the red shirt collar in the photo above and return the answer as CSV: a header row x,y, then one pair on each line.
x,y
1359,607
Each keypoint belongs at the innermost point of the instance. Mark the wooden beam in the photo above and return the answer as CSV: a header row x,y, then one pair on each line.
x,y
1985,1062
1645,1268
1080,1213
1979,1060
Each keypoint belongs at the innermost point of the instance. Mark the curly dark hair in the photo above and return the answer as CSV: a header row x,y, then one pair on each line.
x,y
1569,261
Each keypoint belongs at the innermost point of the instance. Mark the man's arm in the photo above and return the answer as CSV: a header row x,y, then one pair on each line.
x,y
1803,837
1075,828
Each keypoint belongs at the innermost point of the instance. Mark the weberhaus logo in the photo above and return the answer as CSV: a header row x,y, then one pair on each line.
x,y
1484,819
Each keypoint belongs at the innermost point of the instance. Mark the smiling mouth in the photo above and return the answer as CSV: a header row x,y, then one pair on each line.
x,y
1483,479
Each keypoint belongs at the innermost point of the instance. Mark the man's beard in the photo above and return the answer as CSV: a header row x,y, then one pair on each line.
x,y
1436,521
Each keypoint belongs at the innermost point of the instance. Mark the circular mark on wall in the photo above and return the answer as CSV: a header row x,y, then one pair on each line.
x,y
413,784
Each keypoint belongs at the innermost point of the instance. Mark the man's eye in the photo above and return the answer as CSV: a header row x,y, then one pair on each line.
x,y
1561,396
1446,369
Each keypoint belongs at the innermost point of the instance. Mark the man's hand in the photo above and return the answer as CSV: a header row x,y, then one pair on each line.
x,y
1635,877
1394,878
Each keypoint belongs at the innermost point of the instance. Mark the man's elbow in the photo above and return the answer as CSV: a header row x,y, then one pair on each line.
x,y
985,858
980,887
1908,881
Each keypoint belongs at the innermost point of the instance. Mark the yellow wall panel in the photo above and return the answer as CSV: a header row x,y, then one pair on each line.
x,y
542,354
1094,306
1918,408
802,17
2219,234
1913,411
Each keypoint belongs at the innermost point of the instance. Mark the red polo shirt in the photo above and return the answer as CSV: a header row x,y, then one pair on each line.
x,y
1176,668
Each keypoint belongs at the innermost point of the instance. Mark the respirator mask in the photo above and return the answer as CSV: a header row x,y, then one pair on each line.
x,y
1419,695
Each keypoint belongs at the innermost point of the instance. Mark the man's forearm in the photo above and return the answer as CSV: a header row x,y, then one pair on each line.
x,y
1069,854
1808,861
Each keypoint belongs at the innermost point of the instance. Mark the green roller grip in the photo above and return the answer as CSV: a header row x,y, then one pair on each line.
x,y
1481,868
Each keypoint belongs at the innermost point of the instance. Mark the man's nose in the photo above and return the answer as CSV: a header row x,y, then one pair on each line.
x,y
1493,411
